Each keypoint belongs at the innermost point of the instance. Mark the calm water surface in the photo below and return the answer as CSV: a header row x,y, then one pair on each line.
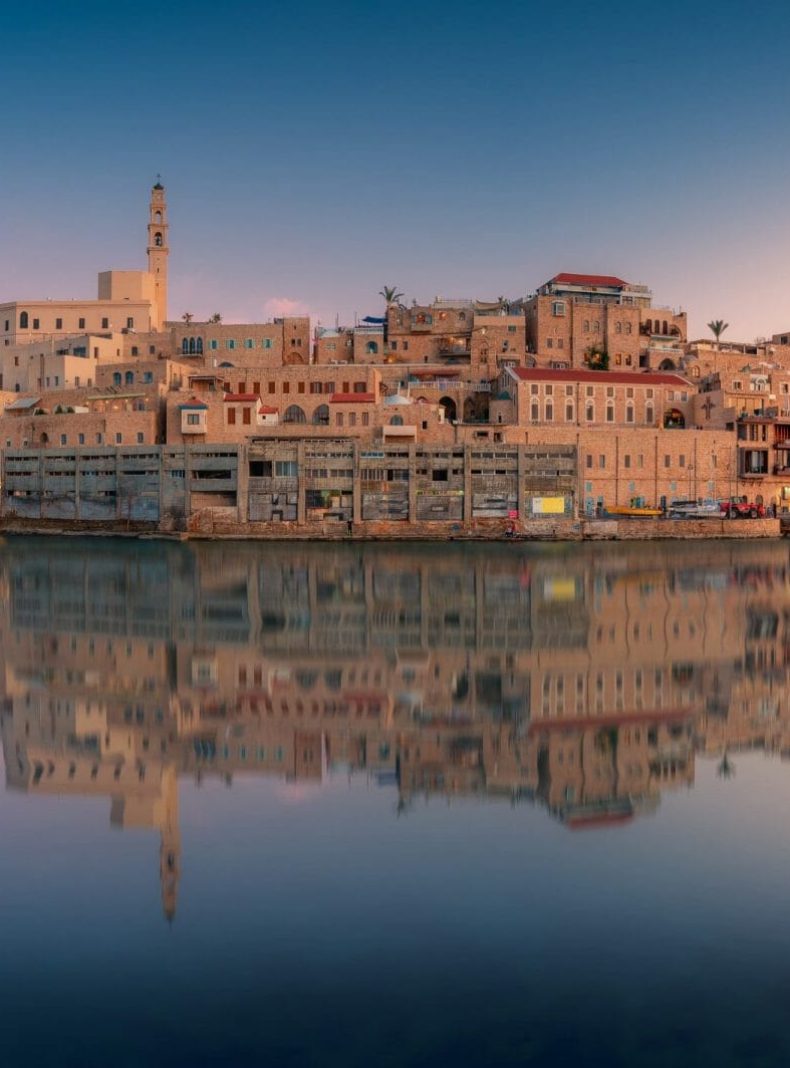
x,y
394,805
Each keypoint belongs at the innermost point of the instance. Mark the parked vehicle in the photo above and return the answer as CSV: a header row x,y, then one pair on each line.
x,y
701,509
741,508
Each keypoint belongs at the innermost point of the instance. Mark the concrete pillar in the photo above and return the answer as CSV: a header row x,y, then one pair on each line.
x,y
242,483
467,485
356,492
522,477
77,479
187,481
412,483
301,509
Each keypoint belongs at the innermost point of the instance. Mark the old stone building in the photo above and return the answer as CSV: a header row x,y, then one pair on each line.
x,y
574,318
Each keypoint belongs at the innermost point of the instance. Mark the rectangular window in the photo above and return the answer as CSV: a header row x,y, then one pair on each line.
x,y
213,344
119,439
105,324
286,387
266,343
81,439
248,343
58,324
558,307
130,323
63,439
666,460
230,343
627,460
300,387
365,419
36,324
272,387
549,343
80,324
511,329
602,461
256,388
352,419
140,437
589,459
246,415
193,419
231,416
339,419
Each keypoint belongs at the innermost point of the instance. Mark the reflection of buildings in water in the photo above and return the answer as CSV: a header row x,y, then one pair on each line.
x,y
581,680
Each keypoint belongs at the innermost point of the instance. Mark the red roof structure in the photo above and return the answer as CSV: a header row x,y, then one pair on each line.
x,y
241,398
621,378
594,280
266,409
193,402
352,398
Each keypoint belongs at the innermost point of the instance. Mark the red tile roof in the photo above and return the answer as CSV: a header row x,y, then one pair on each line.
x,y
266,409
352,398
588,280
241,398
632,378
193,402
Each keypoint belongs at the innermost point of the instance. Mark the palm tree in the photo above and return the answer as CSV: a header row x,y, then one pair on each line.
x,y
717,327
187,317
216,318
391,294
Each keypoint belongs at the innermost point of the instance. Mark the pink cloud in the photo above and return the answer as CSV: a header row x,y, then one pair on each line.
x,y
277,307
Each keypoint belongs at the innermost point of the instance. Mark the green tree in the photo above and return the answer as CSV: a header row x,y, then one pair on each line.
x,y
717,328
391,294
597,358
216,318
187,317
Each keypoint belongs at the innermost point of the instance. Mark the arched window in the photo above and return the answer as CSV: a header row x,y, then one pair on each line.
x,y
185,345
629,413
294,414
590,414
192,345
649,417
199,345
158,239
609,413
372,347
618,328
157,216
535,412
23,320
665,331
116,378
321,415
396,421
130,378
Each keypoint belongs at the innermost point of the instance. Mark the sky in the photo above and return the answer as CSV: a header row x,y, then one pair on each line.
x,y
315,152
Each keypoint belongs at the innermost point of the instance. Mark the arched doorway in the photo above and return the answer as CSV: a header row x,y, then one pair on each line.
x,y
667,365
294,414
450,409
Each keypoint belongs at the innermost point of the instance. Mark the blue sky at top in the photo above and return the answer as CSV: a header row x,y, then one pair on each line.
x,y
313,152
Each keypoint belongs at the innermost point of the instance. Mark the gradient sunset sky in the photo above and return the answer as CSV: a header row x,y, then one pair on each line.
x,y
313,152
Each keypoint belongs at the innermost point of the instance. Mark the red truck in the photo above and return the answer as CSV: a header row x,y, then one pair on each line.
x,y
741,508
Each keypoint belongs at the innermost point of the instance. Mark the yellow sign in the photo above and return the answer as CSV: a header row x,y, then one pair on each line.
x,y
548,505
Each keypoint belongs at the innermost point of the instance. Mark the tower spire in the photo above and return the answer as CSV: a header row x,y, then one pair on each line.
x,y
158,251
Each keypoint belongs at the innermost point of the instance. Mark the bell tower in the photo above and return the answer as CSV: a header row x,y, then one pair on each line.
x,y
158,252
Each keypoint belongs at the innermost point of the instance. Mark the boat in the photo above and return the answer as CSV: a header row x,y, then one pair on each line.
x,y
630,511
